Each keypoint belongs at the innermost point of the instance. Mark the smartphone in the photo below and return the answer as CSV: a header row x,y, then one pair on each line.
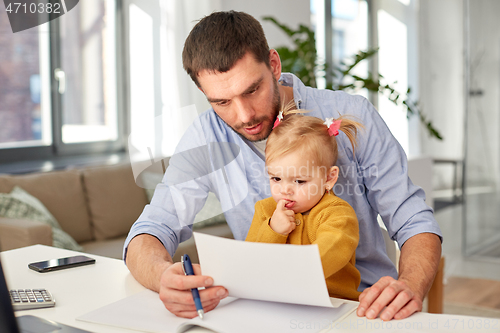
x,y
62,263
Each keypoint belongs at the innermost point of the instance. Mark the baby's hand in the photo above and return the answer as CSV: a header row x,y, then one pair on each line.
x,y
283,219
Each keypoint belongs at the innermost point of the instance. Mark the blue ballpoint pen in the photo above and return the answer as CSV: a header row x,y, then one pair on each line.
x,y
187,267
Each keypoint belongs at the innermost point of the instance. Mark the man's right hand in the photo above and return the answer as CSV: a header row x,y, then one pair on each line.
x,y
175,291
151,265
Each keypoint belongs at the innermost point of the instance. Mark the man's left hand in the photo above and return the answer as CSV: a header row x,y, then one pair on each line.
x,y
399,299
392,299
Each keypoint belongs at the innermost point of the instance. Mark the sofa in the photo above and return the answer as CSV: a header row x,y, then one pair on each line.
x,y
94,207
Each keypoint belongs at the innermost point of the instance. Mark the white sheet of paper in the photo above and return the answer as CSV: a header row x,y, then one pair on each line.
x,y
270,272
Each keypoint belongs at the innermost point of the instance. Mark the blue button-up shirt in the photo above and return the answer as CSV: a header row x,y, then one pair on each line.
x,y
373,181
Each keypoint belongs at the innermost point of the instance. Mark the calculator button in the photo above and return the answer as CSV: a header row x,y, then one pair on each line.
x,y
24,299
14,296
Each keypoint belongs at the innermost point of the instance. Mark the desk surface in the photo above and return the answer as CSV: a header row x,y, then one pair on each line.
x,y
76,290
83,289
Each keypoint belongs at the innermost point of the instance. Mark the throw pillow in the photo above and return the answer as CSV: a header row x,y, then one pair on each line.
x,y
19,204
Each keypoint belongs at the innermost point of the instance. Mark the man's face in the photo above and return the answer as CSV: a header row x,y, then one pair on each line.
x,y
247,97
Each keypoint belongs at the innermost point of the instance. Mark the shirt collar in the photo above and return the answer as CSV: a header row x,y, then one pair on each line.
x,y
290,80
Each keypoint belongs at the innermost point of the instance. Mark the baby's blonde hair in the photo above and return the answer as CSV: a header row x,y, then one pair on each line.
x,y
309,135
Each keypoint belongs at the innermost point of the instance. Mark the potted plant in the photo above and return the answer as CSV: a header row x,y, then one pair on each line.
x,y
303,61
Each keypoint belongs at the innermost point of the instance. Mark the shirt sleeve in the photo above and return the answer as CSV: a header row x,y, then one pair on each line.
x,y
383,165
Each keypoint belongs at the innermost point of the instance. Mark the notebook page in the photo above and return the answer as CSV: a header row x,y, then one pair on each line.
x,y
144,312
250,316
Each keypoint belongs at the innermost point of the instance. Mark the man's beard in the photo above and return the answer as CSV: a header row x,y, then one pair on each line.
x,y
276,102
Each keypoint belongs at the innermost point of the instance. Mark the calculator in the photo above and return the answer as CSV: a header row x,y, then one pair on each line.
x,y
27,299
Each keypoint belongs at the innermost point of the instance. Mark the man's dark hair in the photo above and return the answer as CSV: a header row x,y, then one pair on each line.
x,y
219,40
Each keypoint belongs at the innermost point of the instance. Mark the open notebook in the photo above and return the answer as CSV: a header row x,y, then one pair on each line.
x,y
274,288
144,312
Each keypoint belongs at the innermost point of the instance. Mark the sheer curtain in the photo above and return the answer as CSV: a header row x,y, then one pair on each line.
x,y
182,100
163,99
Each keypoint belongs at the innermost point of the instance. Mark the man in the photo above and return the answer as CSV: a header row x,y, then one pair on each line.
x,y
227,56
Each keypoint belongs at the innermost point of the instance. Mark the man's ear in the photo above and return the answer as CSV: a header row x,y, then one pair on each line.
x,y
275,63
332,176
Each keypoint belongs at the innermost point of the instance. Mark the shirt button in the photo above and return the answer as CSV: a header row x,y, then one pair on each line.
x,y
297,222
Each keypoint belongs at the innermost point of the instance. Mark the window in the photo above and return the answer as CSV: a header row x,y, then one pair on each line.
x,y
59,90
341,34
87,80
393,64
350,31
24,90
396,22
344,27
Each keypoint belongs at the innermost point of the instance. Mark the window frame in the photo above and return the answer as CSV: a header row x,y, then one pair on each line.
x,y
58,149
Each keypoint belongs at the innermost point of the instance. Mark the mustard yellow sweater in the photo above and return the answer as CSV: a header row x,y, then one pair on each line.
x,y
332,224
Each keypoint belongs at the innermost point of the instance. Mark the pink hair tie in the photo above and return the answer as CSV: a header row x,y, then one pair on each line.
x,y
278,119
333,126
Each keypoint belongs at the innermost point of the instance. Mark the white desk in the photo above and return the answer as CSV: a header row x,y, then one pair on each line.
x,y
80,290
76,290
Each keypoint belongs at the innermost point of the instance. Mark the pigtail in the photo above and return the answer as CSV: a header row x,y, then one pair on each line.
x,y
350,128
290,109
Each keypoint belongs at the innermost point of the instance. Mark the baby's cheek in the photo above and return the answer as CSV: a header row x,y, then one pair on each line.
x,y
275,189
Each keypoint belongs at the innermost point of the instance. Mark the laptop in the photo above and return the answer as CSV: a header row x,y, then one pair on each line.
x,y
25,324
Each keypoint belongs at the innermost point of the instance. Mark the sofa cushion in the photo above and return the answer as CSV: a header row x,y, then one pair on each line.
x,y
111,248
61,192
114,199
19,204
15,233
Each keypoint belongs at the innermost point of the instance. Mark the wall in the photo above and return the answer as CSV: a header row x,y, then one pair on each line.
x,y
291,12
442,81
483,150
443,95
